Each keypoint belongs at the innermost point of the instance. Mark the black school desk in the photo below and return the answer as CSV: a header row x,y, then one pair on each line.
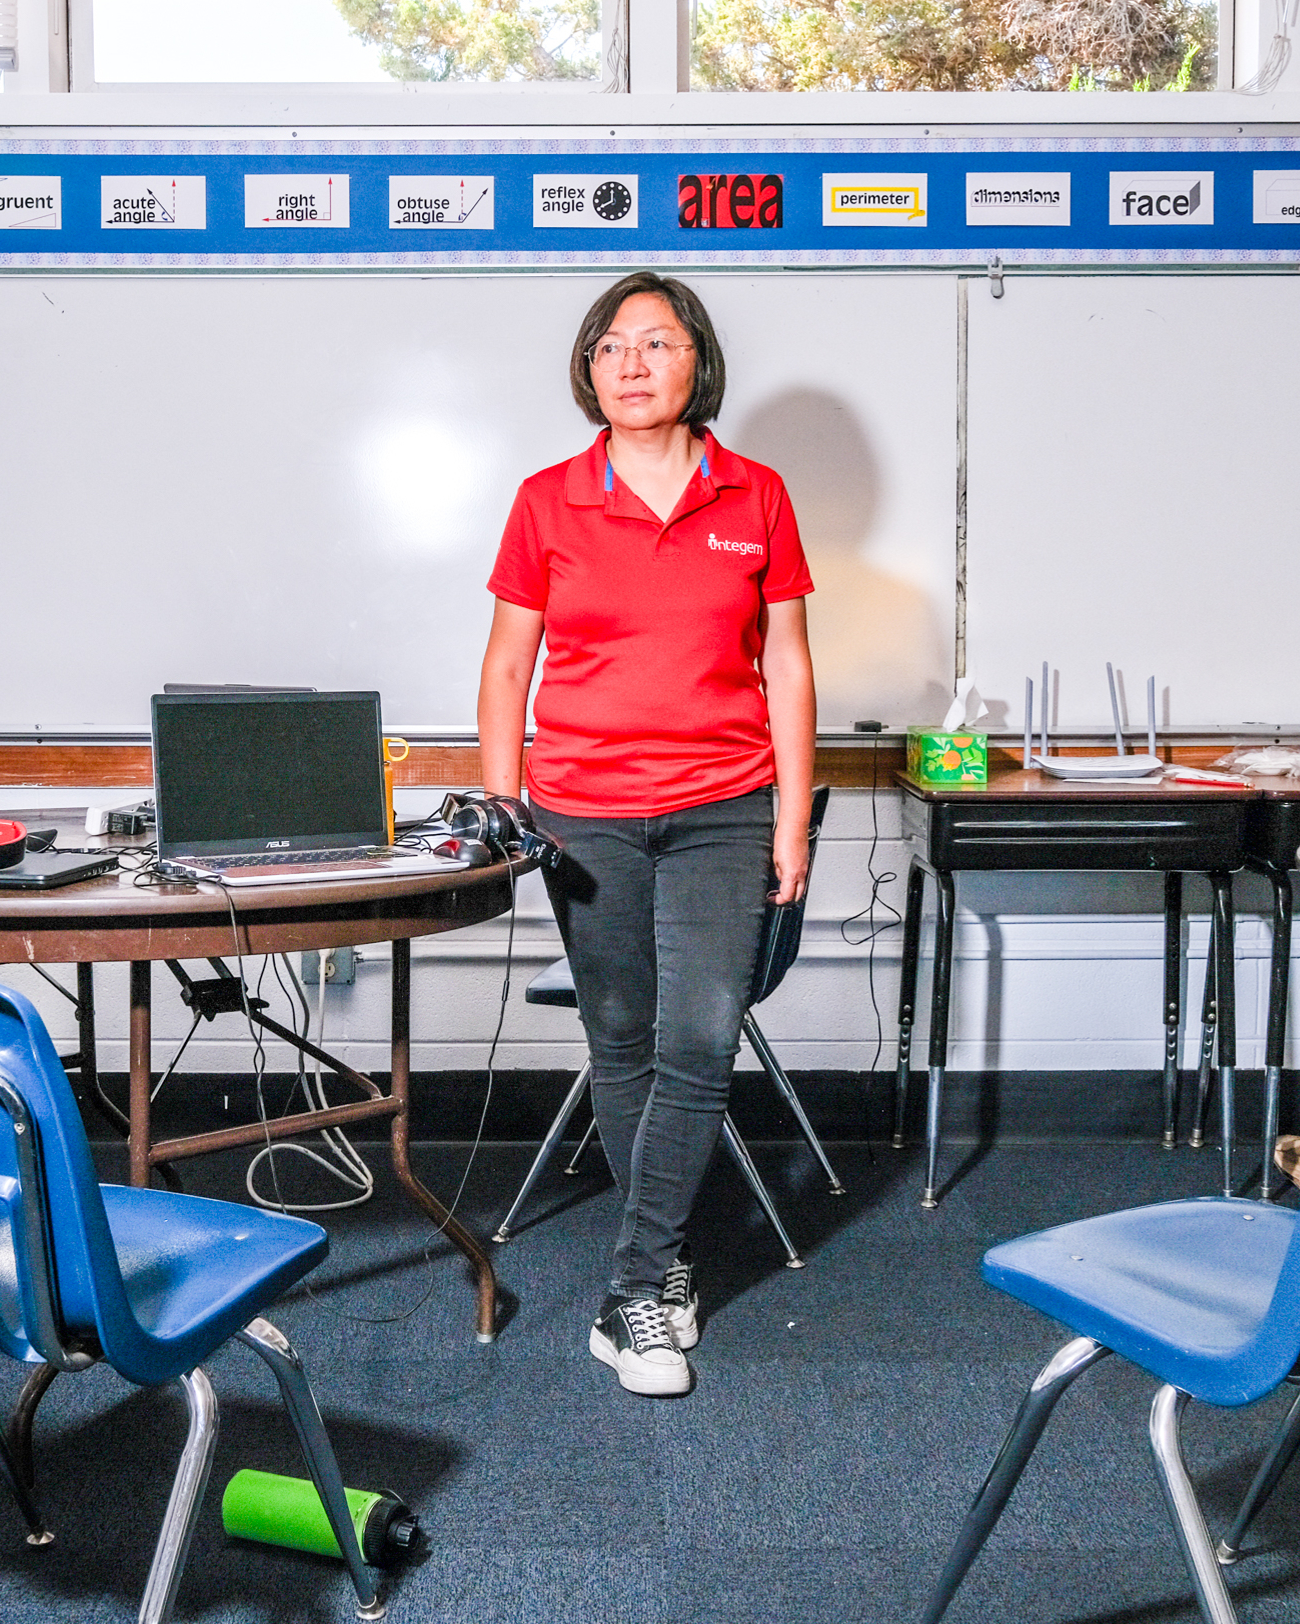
x,y
1023,821
1272,838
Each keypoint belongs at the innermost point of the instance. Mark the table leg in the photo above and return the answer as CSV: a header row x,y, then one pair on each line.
x,y
1173,1002
141,1061
1205,1064
907,994
455,1232
87,1068
1275,1042
1225,997
938,1032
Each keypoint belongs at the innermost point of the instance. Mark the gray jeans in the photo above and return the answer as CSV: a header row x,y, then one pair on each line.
x,y
661,918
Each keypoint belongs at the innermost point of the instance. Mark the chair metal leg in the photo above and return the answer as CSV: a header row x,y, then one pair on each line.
x,y
574,1164
1173,1003
1189,1524
186,1498
776,1074
37,1532
1275,1042
1035,1411
1281,1453
739,1153
1205,1065
19,1437
553,1136
938,1034
318,1452
907,993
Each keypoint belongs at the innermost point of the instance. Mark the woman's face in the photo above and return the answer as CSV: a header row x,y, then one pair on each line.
x,y
648,388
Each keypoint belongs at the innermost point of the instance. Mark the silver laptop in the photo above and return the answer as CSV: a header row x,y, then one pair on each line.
x,y
276,787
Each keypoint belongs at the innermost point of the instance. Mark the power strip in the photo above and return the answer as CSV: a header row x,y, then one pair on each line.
x,y
122,818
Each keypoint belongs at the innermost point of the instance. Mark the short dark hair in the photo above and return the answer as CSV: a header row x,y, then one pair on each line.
x,y
710,369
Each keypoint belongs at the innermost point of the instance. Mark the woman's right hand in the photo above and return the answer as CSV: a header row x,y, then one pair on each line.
x,y
790,860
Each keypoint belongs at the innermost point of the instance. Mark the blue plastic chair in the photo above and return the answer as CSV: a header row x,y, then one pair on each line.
x,y
149,1281
1205,1295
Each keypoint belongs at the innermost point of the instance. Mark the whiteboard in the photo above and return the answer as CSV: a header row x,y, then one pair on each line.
x,y
1132,453
302,478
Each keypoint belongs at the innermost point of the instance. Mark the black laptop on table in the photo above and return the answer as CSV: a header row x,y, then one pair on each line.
x,y
266,788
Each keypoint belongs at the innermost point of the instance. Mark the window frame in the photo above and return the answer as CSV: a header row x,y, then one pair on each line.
x,y
1244,37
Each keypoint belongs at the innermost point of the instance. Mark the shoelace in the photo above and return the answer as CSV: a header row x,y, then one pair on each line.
x,y
677,1285
645,1320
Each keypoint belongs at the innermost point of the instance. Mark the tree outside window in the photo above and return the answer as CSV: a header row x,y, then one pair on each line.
x,y
449,40
955,45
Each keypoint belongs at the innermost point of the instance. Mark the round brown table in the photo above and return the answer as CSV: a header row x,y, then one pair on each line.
x,y
112,920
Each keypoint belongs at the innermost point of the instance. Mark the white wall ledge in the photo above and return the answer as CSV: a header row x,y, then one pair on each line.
x,y
437,110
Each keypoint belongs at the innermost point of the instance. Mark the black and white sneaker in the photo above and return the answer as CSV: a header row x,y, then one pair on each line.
x,y
680,1303
632,1337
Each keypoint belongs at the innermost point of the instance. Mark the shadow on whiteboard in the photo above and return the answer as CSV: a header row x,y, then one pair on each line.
x,y
877,643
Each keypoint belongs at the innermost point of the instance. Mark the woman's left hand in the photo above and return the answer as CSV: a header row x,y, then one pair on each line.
x,y
790,860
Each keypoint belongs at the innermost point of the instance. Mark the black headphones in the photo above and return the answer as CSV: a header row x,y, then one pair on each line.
x,y
501,823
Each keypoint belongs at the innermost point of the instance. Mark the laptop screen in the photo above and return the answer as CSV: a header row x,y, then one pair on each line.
x,y
264,772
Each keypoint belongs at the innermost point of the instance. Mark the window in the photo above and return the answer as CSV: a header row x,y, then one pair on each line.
x,y
8,34
364,42
955,45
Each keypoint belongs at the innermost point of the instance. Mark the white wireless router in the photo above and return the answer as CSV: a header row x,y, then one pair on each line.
x,y
1120,765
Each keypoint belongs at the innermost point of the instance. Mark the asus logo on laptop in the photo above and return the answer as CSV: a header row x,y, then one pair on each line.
x,y
277,845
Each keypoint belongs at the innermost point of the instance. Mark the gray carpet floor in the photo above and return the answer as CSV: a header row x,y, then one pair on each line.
x,y
842,1417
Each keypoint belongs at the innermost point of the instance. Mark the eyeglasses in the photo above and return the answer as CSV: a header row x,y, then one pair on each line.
x,y
657,353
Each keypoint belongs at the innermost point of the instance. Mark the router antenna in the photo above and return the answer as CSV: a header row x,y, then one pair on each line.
x,y
1043,735
1151,716
1029,721
1114,709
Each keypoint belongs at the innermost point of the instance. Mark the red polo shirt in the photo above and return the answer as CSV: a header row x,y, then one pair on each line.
x,y
650,698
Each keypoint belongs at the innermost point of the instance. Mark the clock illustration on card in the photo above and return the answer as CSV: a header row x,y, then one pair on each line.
x,y
611,200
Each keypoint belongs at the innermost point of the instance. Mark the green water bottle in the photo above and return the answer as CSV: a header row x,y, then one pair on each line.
x,y
288,1511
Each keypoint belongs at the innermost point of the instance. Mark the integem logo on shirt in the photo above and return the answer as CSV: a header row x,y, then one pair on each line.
x,y
717,546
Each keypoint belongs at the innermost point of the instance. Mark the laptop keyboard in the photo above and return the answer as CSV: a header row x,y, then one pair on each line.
x,y
273,859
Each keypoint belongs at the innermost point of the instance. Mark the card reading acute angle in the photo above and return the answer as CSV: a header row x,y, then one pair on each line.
x,y
441,202
153,202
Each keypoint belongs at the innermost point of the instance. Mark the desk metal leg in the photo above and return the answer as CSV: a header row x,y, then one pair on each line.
x,y
1225,989
938,1032
1205,1064
141,1075
455,1231
907,994
1275,1042
1173,1002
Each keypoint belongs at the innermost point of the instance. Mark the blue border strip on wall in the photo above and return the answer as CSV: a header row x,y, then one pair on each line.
x,y
639,185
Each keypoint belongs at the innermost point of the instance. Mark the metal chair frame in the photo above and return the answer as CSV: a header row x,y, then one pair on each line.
x,y
1223,1376
44,1330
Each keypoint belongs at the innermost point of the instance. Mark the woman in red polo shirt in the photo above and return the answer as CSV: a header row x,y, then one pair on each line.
x,y
667,576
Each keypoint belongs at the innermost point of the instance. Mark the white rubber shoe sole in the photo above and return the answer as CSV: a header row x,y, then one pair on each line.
x,y
659,1374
